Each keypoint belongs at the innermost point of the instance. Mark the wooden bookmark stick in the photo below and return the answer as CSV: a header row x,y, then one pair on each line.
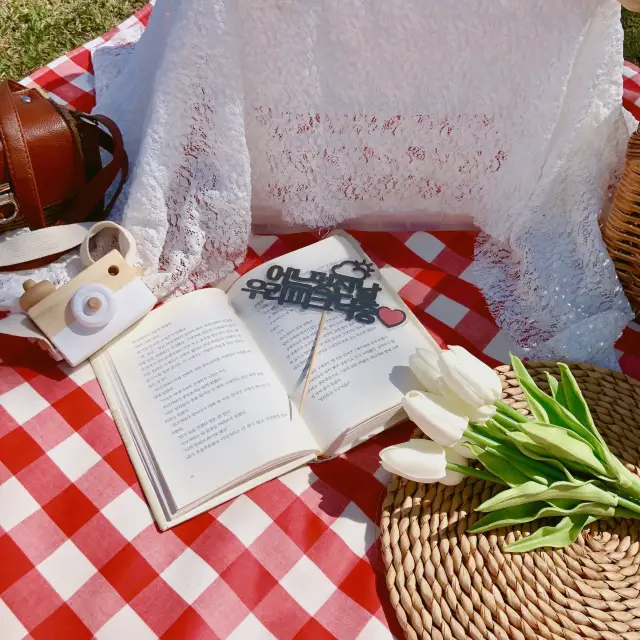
x,y
312,358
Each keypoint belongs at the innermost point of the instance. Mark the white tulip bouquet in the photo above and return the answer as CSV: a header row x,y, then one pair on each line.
x,y
555,464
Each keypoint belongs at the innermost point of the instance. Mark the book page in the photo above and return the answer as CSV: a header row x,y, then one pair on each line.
x,y
360,370
209,405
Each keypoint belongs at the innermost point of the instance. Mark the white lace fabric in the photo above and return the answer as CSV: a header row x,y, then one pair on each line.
x,y
506,112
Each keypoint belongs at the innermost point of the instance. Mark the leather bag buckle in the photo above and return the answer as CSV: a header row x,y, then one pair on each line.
x,y
8,204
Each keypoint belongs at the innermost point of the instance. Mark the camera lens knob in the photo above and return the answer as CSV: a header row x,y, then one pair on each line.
x,y
93,305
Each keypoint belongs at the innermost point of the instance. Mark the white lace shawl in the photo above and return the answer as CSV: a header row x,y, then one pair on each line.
x,y
505,112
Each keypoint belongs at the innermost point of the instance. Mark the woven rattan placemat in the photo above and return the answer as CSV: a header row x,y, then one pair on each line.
x,y
445,583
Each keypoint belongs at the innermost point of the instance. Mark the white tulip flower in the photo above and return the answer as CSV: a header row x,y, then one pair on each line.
x,y
470,379
424,365
479,415
422,461
462,451
453,478
479,368
437,416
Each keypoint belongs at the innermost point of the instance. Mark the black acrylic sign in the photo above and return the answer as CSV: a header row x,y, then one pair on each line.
x,y
343,289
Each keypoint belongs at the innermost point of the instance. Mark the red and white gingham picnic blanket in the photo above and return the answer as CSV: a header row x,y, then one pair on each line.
x,y
295,558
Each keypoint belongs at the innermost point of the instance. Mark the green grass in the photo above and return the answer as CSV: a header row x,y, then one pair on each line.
x,y
631,24
34,32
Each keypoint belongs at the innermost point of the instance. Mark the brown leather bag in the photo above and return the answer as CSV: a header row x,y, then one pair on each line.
x,y
50,167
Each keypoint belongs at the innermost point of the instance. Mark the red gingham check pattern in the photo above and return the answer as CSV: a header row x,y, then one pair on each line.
x,y
295,558
631,94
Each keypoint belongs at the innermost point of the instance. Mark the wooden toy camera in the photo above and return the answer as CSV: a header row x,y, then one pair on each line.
x,y
90,310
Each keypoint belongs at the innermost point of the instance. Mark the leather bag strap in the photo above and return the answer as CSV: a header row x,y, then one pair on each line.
x,y
36,249
92,193
18,158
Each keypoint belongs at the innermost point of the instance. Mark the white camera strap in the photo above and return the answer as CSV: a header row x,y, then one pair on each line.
x,y
25,247
50,241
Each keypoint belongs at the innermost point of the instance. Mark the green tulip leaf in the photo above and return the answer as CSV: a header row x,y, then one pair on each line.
x,y
548,410
527,384
557,391
560,396
500,467
627,481
532,469
563,534
574,401
526,492
534,491
564,445
491,436
535,510
621,512
553,385
537,452
583,491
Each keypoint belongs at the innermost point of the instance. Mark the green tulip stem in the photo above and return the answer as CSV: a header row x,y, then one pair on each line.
x,y
483,441
629,504
474,473
510,412
490,430
505,421
486,439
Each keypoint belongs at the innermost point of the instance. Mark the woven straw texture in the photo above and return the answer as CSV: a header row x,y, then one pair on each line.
x,y
621,232
445,583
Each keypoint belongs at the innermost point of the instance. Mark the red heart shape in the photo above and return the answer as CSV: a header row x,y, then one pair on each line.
x,y
391,317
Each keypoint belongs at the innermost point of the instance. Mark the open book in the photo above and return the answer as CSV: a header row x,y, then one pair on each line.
x,y
206,390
